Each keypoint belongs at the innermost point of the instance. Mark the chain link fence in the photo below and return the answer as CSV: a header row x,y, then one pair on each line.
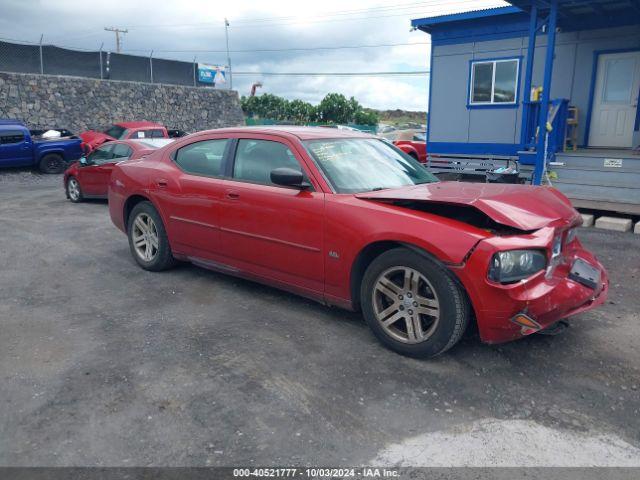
x,y
47,59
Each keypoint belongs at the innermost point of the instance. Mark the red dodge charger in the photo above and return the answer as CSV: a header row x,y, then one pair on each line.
x,y
349,220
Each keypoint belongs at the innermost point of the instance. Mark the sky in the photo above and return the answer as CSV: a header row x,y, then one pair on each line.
x,y
192,28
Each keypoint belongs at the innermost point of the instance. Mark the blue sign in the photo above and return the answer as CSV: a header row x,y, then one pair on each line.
x,y
213,74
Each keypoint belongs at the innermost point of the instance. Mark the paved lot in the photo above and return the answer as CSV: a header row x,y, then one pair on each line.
x,y
102,363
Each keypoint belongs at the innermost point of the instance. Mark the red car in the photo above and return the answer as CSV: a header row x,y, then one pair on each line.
x,y
89,177
412,142
348,220
123,131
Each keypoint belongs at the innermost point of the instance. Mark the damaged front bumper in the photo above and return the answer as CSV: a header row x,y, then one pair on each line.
x,y
507,312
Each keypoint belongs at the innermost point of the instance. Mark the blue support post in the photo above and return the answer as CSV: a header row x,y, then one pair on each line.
x,y
526,103
546,91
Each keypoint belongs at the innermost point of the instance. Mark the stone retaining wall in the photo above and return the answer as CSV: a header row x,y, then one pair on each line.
x,y
79,104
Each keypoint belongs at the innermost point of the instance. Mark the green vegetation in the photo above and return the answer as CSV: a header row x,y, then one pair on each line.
x,y
402,117
334,108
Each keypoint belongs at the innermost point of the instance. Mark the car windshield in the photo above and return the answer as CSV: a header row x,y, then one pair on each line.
x,y
354,165
114,131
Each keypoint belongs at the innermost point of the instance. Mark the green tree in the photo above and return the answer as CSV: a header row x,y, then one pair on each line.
x,y
300,111
366,117
335,108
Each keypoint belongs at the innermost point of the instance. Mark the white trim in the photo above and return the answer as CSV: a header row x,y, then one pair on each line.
x,y
493,81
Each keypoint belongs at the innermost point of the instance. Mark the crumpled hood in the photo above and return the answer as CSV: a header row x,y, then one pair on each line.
x,y
93,139
523,207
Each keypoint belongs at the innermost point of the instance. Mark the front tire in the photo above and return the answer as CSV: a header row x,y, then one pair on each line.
x,y
148,238
413,304
52,164
74,191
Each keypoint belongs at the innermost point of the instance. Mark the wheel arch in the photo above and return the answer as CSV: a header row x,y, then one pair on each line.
x,y
52,151
368,254
130,203
409,150
371,251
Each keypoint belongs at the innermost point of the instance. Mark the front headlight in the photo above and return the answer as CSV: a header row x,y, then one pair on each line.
x,y
514,265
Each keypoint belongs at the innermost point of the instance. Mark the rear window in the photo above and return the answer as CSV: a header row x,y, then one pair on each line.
x,y
115,131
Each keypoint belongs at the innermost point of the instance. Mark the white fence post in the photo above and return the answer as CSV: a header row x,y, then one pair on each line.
x,y
41,58
100,53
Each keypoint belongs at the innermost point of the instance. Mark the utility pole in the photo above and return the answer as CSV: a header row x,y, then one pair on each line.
x,y
226,34
117,31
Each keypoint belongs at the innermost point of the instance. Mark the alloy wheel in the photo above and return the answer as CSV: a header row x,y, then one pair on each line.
x,y
145,237
74,189
406,305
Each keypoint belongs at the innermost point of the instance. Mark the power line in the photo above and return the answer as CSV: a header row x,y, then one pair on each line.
x,y
248,23
403,6
303,49
335,74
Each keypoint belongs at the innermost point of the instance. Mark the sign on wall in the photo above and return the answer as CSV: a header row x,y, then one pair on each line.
x,y
213,74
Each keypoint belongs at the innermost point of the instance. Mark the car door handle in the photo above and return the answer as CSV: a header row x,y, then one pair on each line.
x,y
161,183
233,195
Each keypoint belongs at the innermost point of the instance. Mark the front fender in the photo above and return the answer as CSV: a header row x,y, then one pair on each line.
x,y
408,149
351,230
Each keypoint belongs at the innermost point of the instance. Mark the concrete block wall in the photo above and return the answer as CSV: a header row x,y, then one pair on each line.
x,y
81,103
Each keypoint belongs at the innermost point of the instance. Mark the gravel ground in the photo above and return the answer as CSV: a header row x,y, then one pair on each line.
x,y
102,363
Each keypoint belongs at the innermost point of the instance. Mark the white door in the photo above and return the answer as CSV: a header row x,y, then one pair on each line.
x,y
615,100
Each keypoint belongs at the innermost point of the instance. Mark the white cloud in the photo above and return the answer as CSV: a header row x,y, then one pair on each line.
x,y
198,25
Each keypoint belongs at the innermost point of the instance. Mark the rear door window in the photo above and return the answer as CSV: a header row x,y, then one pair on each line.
x,y
202,158
11,136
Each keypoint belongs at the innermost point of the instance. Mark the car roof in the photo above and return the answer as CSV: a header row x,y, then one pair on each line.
x,y
140,144
138,124
302,133
151,142
9,121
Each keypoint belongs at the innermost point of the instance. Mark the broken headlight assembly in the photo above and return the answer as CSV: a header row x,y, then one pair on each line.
x,y
514,265
571,235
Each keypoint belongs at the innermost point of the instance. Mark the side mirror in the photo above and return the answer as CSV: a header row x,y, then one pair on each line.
x,y
288,177
84,161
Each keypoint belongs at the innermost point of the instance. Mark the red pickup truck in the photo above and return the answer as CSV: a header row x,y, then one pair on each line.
x,y
127,131
412,142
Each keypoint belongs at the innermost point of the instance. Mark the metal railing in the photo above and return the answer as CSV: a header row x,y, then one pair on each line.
x,y
49,59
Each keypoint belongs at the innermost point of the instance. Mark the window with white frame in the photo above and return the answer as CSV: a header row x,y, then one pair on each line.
x,y
494,82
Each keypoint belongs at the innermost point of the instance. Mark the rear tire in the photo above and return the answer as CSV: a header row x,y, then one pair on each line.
x,y
52,164
413,304
148,238
74,191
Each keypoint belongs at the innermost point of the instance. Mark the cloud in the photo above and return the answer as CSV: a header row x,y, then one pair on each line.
x,y
191,25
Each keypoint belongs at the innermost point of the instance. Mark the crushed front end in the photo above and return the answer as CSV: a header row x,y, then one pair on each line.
x,y
514,294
